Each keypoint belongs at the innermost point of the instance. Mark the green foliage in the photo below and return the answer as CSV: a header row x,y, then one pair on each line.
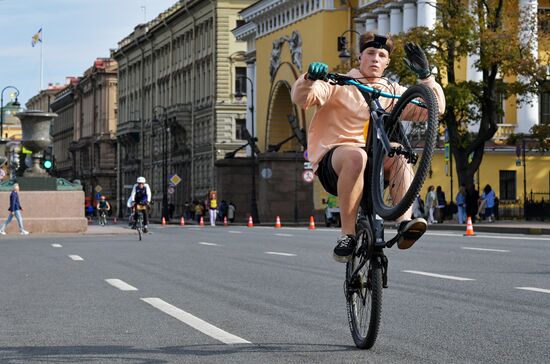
x,y
541,134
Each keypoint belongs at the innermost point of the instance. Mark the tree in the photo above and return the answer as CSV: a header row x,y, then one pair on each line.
x,y
490,31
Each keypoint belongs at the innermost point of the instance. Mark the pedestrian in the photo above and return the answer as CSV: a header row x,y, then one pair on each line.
x,y
223,210
15,210
430,205
489,197
461,204
418,207
186,211
441,204
231,211
472,200
199,211
212,207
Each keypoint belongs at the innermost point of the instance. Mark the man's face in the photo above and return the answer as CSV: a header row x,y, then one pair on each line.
x,y
140,185
374,62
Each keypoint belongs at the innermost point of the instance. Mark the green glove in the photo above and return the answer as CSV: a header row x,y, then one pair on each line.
x,y
317,71
416,60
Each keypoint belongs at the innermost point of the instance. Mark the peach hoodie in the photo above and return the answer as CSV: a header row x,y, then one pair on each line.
x,y
342,111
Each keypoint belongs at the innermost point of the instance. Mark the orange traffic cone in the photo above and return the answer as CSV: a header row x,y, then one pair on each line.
x,y
277,223
182,221
225,221
469,227
201,223
250,221
163,221
311,223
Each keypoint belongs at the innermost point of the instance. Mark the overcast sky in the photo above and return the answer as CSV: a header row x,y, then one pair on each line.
x,y
75,33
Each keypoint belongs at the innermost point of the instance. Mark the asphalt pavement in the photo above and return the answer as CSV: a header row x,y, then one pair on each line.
x,y
249,295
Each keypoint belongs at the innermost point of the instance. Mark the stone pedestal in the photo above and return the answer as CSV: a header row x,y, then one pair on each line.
x,y
47,211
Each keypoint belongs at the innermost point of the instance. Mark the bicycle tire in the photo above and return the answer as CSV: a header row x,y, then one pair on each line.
x,y
414,130
364,295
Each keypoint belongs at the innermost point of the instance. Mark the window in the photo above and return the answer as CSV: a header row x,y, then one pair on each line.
x,y
545,103
240,127
240,80
508,185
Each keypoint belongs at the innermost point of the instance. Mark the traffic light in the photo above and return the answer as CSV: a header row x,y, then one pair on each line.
x,y
47,164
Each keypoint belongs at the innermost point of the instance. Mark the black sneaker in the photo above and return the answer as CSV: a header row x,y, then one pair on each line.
x,y
344,249
145,230
411,231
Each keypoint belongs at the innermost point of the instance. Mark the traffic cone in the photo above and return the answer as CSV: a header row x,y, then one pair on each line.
x,y
225,221
201,223
277,223
250,221
182,221
311,223
469,227
163,221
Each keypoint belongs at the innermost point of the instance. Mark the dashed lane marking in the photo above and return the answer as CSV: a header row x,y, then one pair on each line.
x,y
438,275
57,245
283,254
123,286
486,250
234,232
76,257
280,234
209,244
534,289
195,322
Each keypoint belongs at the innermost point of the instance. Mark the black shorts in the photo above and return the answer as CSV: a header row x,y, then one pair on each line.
x,y
327,175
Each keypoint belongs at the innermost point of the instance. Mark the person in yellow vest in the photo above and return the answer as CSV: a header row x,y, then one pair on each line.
x,y
213,207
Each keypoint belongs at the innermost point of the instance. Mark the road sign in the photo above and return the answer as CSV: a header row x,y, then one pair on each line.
x,y
266,173
171,190
308,175
306,155
447,151
175,179
308,165
26,151
98,188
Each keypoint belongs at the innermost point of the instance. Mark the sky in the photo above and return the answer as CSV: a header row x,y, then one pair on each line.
x,y
75,33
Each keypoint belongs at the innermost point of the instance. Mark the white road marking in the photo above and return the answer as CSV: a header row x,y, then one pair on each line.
x,y
209,244
195,322
283,254
516,237
534,289
57,245
234,232
75,257
284,234
123,286
486,250
438,275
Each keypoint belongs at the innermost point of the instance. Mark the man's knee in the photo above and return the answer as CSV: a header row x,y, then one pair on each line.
x,y
350,161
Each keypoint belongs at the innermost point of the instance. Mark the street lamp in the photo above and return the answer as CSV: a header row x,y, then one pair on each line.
x,y
345,54
164,122
238,96
15,103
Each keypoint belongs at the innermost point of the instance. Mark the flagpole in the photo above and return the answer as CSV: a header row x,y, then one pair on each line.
x,y
41,59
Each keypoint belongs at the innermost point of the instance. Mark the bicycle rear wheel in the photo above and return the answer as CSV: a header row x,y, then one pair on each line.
x,y
412,131
364,296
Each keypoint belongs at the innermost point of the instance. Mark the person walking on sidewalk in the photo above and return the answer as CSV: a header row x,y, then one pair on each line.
x,y
441,205
429,206
461,204
488,197
213,207
15,210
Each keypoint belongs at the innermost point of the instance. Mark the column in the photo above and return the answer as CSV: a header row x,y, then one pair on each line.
x,y
396,17
383,20
251,118
528,115
371,24
426,13
409,16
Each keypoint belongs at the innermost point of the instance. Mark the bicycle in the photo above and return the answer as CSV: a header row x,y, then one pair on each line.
x,y
367,271
102,217
138,215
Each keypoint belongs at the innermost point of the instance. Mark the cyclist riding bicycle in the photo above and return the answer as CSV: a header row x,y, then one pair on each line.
x,y
139,201
336,134
103,206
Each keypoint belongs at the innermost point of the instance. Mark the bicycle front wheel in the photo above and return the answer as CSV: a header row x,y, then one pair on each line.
x,y
412,131
364,298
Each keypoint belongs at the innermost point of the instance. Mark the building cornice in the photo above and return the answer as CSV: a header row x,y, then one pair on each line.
x,y
248,30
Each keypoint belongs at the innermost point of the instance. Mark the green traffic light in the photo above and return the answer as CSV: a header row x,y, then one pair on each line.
x,y
48,164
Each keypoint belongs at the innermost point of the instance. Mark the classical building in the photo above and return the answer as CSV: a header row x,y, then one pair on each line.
x,y
283,37
85,131
43,100
176,99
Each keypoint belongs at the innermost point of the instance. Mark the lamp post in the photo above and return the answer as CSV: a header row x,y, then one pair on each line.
x,y
15,103
253,202
164,122
345,54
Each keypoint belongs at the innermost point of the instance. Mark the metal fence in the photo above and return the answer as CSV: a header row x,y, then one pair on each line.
x,y
537,207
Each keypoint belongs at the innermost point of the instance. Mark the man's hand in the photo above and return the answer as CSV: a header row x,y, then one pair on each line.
x,y
317,71
416,60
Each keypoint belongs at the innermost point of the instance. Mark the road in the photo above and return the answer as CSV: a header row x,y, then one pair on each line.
x,y
250,295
